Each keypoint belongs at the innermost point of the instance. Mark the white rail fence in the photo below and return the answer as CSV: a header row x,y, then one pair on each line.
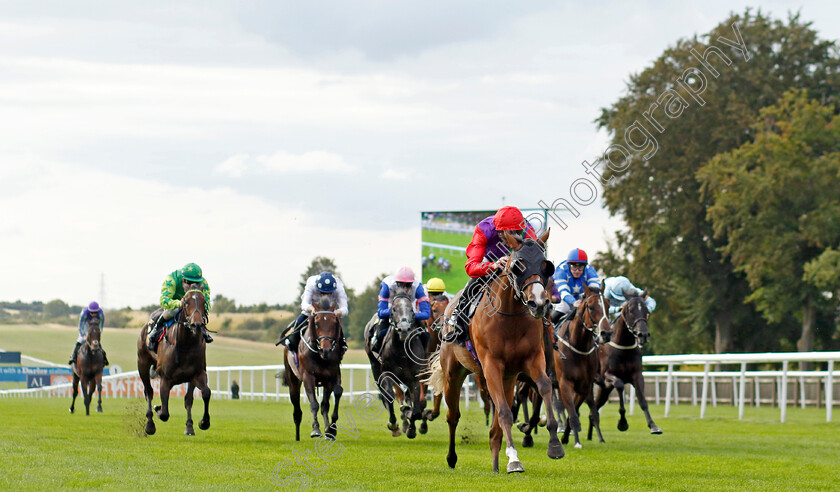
x,y
677,382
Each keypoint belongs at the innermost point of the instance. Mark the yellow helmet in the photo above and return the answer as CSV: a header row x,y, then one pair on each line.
x,y
435,285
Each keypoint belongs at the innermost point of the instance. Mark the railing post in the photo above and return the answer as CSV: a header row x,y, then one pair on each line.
x,y
742,391
783,391
802,391
252,384
705,390
829,391
351,385
632,395
264,388
668,388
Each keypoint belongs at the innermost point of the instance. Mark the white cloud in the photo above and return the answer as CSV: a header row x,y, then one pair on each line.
x,y
234,166
282,162
394,175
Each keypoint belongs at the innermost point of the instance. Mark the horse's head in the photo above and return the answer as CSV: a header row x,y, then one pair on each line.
x,y
439,304
402,314
194,309
94,333
324,328
635,315
593,309
530,272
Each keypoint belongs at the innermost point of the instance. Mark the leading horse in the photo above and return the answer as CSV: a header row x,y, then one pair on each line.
x,y
180,358
90,362
318,363
507,333
621,362
402,360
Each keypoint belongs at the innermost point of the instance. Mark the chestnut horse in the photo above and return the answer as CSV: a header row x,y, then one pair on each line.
x,y
319,364
180,358
88,368
621,362
576,359
507,333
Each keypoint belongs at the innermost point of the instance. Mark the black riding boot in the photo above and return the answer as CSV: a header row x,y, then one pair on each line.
x,y
378,336
75,353
154,334
206,335
105,359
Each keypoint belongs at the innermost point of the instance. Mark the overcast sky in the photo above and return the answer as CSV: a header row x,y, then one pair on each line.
x,y
250,137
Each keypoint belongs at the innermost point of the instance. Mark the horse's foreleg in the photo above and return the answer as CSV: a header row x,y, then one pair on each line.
x,y
337,392
188,403
639,384
149,392
594,417
325,406
163,409
501,391
99,393
567,393
87,393
309,388
536,370
622,420
418,406
75,392
201,383
452,393
294,396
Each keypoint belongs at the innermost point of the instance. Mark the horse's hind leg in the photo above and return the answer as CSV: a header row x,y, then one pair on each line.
x,y
188,403
99,393
309,387
294,396
163,408
639,384
536,371
594,418
75,392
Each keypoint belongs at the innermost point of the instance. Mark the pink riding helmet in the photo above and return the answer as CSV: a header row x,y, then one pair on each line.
x,y
404,274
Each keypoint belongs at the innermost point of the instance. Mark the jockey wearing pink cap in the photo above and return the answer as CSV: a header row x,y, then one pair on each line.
x,y
402,281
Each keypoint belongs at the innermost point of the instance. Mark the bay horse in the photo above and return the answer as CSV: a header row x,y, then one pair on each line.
x,y
508,335
90,362
402,360
319,357
180,358
621,362
576,359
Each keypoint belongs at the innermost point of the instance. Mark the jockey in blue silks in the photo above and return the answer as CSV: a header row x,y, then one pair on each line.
x,y
570,277
402,280
92,311
616,287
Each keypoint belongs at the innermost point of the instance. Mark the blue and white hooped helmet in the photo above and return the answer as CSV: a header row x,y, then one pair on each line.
x,y
325,283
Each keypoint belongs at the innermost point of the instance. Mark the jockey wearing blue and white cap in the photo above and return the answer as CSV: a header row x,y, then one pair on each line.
x,y
570,277
92,311
318,286
615,289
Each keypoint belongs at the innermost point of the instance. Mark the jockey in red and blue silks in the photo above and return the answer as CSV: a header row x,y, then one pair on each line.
x,y
486,253
405,281
570,277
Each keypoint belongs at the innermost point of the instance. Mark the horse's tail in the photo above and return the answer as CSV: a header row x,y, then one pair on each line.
x,y
434,374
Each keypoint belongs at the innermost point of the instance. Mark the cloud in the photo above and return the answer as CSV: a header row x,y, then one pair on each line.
x,y
282,162
234,166
394,175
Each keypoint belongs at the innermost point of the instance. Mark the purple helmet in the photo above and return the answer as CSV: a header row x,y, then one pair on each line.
x,y
93,307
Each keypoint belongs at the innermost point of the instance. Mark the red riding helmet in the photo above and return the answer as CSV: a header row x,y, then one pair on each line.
x,y
509,219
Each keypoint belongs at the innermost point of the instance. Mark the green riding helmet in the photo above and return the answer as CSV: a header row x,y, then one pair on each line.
x,y
192,273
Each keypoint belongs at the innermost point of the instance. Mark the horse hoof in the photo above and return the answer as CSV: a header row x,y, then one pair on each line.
x,y
157,408
71,409
393,427
543,421
189,431
515,467
412,433
523,427
396,433
451,460
622,425
555,451
578,445
654,429
564,439
98,409
427,415
424,428
150,428
315,433
204,424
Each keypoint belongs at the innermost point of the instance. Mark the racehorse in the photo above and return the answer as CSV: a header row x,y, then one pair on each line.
x,y
621,362
401,361
508,335
318,364
88,368
576,360
180,358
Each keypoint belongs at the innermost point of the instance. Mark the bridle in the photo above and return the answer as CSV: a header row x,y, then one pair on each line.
x,y
588,326
519,293
332,340
187,320
400,295
631,327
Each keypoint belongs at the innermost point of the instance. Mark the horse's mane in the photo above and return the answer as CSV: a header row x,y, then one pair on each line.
x,y
440,297
325,303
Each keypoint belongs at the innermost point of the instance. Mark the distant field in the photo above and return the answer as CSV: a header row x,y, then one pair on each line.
x,y
43,447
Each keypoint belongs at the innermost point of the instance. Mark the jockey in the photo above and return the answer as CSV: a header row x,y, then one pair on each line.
x,y
402,280
171,292
616,287
436,287
486,254
92,311
317,286
570,278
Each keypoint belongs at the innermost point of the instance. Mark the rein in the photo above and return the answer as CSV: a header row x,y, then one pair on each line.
x,y
630,327
318,340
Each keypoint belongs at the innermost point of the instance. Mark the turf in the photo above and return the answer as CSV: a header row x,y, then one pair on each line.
x,y
250,445
456,277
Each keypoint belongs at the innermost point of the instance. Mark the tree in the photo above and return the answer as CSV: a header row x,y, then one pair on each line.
x,y
775,202
222,304
364,305
695,101
319,264
56,309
